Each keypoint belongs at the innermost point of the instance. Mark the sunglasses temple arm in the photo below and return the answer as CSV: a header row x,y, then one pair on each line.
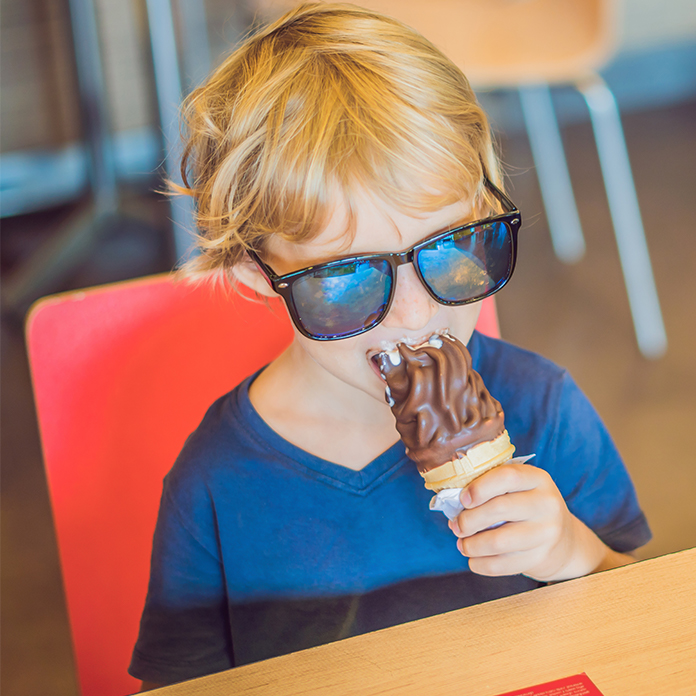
x,y
263,269
502,197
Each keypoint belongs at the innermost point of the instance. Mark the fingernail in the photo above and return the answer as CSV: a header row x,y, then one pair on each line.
x,y
454,526
465,497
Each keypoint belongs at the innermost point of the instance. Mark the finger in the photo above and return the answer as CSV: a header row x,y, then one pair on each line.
x,y
511,507
507,478
470,522
507,564
514,537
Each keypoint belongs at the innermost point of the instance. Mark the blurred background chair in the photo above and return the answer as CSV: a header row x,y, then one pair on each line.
x,y
532,45
122,374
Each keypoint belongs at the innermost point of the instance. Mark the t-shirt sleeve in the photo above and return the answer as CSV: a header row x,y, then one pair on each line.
x,y
184,629
589,472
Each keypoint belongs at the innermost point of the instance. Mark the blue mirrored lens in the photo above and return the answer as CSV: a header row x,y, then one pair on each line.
x,y
468,264
343,299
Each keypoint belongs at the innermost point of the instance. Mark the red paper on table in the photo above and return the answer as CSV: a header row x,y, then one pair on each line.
x,y
577,685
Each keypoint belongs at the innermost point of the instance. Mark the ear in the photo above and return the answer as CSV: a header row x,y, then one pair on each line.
x,y
250,275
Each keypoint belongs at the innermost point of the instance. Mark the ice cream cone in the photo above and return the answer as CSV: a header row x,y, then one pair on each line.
x,y
444,412
460,472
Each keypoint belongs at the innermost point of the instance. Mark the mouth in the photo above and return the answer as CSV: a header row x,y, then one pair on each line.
x,y
390,349
374,364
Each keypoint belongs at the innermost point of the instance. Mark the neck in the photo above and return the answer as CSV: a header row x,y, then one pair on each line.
x,y
321,414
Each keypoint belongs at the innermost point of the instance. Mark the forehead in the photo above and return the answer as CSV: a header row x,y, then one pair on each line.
x,y
364,224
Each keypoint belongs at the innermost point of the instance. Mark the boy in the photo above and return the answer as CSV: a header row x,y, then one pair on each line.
x,y
293,517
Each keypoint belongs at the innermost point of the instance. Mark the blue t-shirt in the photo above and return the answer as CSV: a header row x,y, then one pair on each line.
x,y
262,549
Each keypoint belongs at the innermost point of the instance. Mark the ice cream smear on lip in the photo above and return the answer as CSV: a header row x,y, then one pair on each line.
x,y
452,427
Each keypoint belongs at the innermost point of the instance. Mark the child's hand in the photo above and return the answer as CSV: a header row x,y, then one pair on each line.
x,y
542,538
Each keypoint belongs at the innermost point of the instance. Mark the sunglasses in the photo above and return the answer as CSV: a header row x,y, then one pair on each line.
x,y
349,296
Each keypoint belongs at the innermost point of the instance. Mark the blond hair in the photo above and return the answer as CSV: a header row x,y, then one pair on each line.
x,y
328,98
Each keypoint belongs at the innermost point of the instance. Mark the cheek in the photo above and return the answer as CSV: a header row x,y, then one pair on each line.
x,y
336,357
463,320
347,361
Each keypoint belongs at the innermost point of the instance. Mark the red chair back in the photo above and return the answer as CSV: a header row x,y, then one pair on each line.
x,y
122,374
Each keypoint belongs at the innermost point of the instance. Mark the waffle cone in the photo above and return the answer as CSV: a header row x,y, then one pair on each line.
x,y
460,472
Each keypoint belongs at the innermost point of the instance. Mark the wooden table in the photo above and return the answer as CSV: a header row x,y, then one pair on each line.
x,y
632,630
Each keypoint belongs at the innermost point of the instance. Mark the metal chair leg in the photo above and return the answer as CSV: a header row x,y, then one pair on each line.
x,y
552,170
625,214
55,259
195,43
169,92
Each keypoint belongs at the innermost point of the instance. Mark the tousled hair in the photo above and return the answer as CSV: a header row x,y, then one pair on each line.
x,y
328,99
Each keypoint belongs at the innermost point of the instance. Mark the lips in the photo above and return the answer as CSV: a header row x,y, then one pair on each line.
x,y
390,351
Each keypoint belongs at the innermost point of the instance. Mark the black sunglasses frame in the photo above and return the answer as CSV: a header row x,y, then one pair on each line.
x,y
283,284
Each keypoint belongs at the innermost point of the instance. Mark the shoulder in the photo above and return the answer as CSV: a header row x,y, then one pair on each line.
x,y
513,372
540,398
211,471
495,356
224,443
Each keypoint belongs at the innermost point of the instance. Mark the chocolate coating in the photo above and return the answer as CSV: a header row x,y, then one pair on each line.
x,y
440,403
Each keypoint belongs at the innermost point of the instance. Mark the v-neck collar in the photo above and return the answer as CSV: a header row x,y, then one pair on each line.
x,y
361,482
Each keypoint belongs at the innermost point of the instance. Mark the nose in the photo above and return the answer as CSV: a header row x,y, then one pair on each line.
x,y
412,307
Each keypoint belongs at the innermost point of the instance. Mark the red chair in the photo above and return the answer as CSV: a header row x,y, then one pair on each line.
x,y
122,374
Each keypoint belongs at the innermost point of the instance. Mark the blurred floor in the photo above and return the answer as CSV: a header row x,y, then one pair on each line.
x,y
576,315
